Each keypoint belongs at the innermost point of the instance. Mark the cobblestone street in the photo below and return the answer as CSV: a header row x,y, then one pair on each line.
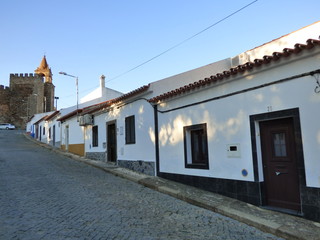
x,y
48,196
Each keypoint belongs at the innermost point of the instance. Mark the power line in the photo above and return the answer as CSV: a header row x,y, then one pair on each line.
x,y
182,42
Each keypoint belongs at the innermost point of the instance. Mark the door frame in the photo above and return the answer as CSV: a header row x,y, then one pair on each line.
x,y
256,147
113,122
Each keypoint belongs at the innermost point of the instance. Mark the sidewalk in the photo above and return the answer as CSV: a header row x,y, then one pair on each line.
x,y
282,225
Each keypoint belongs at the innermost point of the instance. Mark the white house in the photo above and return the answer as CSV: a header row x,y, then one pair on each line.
x,y
72,135
122,130
51,130
53,133
131,155
251,132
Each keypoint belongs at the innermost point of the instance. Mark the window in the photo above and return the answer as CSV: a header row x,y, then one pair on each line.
x,y
196,146
44,130
50,133
95,136
279,145
130,130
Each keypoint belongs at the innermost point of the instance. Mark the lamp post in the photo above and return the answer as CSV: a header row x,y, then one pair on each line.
x,y
64,73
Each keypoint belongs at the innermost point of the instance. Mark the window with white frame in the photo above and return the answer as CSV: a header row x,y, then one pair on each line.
x,y
196,146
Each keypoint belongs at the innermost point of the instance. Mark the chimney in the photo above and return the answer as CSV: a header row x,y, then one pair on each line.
x,y
102,82
103,86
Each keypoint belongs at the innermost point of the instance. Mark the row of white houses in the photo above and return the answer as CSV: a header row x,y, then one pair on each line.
x,y
246,127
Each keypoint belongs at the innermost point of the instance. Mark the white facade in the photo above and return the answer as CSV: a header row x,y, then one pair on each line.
x,y
143,148
53,133
72,136
228,119
31,128
240,159
185,78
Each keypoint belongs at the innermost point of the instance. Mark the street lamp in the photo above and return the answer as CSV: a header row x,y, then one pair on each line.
x,y
64,73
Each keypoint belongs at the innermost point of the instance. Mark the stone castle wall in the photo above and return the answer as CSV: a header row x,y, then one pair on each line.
x,y
5,95
26,96
49,97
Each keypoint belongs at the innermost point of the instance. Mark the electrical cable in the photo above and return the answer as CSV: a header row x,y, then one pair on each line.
x,y
182,42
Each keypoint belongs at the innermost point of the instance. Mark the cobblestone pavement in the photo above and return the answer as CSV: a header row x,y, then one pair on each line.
x,y
47,196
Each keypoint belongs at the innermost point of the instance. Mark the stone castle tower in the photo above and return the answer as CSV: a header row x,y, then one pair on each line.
x,y
27,95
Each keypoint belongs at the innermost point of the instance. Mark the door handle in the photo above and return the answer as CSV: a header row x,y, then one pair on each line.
x,y
278,173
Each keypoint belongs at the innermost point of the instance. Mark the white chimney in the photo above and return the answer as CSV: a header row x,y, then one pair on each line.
x,y
102,82
103,87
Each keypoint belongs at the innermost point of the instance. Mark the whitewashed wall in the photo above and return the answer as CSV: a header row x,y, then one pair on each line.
x,y
43,124
30,125
76,132
185,78
57,125
144,148
228,119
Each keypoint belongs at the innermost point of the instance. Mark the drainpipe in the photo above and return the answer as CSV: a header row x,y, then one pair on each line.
x,y
156,136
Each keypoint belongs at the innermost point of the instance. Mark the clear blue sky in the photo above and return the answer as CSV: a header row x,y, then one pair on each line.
x,y
91,38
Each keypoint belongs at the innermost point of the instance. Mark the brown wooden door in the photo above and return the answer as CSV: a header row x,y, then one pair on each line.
x,y
111,142
279,164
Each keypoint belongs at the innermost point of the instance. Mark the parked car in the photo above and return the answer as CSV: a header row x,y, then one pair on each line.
x,y
8,126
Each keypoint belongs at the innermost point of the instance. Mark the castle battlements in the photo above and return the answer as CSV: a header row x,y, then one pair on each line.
x,y
25,75
4,88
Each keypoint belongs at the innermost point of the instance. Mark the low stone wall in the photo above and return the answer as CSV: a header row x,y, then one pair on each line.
x,y
139,166
98,156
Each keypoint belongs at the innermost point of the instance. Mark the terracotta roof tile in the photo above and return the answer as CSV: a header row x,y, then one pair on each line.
x,y
41,119
52,115
69,115
99,106
310,43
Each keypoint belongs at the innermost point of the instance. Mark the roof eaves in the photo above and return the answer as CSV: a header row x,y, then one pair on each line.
x,y
286,52
52,115
69,115
97,107
41,119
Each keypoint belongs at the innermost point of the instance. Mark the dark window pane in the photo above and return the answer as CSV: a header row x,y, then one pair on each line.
x,y
130,130
95,136
196,146
279,144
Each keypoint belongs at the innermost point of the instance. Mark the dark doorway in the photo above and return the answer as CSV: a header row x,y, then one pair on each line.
x,y
54,135
111,142
40,130
280,164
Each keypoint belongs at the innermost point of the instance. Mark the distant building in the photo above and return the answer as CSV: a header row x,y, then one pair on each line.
x,y
27,95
